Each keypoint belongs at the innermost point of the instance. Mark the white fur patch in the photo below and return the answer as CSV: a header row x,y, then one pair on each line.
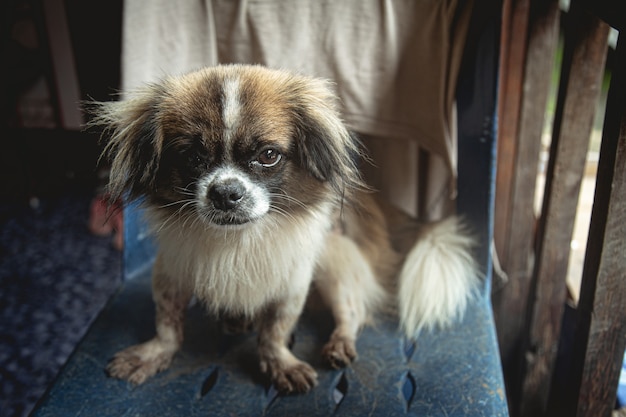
x,y
257,198
438,278
231,110
241,270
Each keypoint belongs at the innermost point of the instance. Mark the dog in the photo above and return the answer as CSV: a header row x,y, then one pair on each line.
x,y
251,185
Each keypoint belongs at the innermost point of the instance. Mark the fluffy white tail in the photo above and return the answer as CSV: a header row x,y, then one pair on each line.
x,y
438,278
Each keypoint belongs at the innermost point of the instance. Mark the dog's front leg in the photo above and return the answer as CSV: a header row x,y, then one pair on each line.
x,y
139,362
288,373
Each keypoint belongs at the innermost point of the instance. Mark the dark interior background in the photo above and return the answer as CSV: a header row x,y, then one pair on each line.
x,y
38,159
55,275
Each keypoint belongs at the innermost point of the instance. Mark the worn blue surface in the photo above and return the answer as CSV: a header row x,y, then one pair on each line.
x,y
451,373
55,278
621,387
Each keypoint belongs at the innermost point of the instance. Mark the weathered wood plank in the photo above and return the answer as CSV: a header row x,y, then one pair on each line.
x,y
542,44
581,75
513,43
607,333
602,307
507,302
516,255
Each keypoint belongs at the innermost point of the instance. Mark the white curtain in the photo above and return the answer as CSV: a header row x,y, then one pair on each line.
x,y
394,63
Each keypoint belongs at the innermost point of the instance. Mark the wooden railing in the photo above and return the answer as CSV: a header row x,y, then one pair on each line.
x,y
574,373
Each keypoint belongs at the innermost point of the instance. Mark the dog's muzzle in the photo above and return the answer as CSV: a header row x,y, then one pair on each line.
x,y
227,195
229,198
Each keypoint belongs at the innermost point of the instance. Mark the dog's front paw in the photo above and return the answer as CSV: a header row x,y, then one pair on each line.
x,y
138,363
297,377
339,351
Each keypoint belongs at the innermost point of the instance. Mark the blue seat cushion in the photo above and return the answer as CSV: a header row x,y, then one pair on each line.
x,y
450,373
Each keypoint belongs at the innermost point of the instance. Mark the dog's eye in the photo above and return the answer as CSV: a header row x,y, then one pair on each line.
x,y
194,156
269,157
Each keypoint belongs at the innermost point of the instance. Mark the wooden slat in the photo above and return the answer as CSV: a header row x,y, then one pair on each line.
x,y
63,65
601,331
607,332
583,68
542,45
512,58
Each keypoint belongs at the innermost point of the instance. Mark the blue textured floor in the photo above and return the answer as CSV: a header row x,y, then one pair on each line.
x,y
54,278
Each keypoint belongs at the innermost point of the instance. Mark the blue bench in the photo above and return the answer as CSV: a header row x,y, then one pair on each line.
x,y
456,372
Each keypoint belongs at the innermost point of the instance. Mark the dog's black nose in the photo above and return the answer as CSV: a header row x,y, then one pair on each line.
x,y
227,194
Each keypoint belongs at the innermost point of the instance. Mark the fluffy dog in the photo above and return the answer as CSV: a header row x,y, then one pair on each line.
x,y
250,183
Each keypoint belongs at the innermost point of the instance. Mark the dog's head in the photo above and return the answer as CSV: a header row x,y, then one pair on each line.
x,y
230,144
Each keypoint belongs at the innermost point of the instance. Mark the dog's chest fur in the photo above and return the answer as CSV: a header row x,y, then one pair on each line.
x,y
243,270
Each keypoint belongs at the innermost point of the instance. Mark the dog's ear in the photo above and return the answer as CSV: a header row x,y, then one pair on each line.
x,y
134,140
325,146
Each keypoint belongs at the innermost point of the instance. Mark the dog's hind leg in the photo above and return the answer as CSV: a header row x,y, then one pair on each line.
x,y
347,283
